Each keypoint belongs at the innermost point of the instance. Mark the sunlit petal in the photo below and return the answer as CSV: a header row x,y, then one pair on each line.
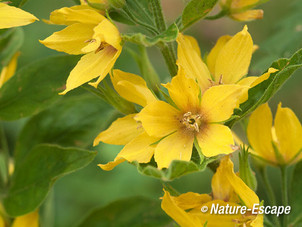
x,y
120,132
234,58
177,146
289,133
215,139
261,121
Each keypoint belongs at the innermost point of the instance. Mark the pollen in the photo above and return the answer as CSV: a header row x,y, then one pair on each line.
x,y
192,121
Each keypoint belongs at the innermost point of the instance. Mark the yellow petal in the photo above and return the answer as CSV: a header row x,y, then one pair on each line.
x,y
159,119
194,44
120,132
212,57
247,81
178,214
184,92
259,132
234,58
215,220
221,187
289,133
218,102
258,221
70,40
132,88
8,71
76,14
215,139
105,33
13,17
140,149
109,33
247,195
111,165
31,219
177,146
264,77
248,15
90,66
2,223
191,200
190,60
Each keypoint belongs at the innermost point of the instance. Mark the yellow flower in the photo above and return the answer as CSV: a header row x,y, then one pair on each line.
x,y
31,219
227,189
88,33
126,130
227,62
241,10
9,70
191,118
278,144
14,17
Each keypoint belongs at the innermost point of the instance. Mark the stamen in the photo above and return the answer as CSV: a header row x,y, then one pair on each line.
x,y
90,41
220,80
191,121
101,47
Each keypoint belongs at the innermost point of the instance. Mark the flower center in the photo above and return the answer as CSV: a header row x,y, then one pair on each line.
x,y
192,121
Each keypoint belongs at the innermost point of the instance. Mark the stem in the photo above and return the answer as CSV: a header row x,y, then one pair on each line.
x,y
170,58
284,181
222,13
167,49
4,156
269,192
158,15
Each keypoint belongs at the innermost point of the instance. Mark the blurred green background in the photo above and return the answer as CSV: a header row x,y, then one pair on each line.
x,y
279,34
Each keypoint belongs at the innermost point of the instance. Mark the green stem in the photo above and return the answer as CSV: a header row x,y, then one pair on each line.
x,y
170,58
284,182
158,15
217,16
269,192
4,157
167,49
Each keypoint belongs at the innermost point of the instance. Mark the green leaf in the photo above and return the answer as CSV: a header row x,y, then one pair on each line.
x,y
265,90
176,169
138,10
196,10
120,16
168,36
35,87
296,196
134,212
10,42
74,121
34,177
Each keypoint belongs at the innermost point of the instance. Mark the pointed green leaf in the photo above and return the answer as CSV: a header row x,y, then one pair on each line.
x,y
262,92
10,42
74,121
134,212
168,36
176,169
196,10
35,87
37,172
